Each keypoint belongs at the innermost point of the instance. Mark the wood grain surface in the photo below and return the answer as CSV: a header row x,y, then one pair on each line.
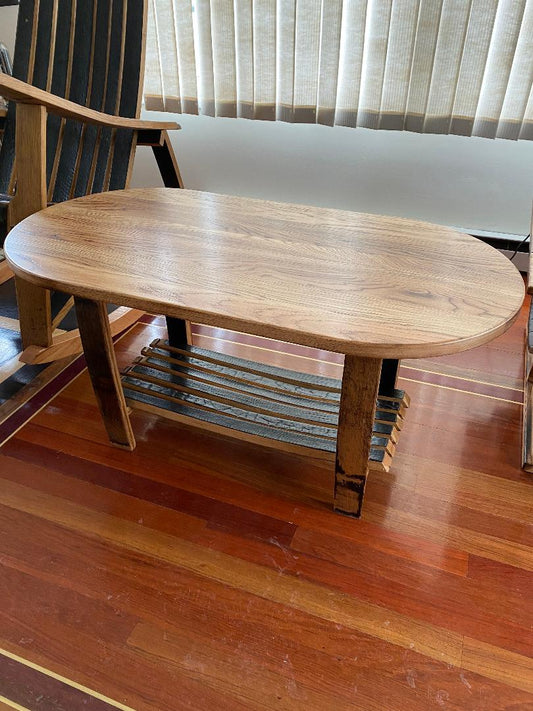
x,y
342,281
200,572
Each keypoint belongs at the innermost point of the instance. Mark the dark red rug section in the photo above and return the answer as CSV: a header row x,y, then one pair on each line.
x,y
36,691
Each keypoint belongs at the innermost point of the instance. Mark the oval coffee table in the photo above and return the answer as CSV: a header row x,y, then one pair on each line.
x,y
370,287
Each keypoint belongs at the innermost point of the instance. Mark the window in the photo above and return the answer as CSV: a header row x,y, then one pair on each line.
x,y
437,66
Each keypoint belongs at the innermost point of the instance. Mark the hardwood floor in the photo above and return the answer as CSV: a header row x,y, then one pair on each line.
x,y
200,572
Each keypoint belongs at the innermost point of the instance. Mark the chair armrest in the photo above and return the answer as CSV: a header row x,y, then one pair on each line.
x,y
18,91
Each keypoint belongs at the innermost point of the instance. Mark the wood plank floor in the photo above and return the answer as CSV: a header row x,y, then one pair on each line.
x,y
199,572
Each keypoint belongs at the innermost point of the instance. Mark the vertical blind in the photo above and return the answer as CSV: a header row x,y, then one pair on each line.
x,y
436,66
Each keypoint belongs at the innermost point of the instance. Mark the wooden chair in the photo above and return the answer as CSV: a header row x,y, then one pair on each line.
x,y
6,67
71,129
527,421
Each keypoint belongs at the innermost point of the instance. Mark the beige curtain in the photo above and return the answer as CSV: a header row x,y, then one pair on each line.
x,y
435,66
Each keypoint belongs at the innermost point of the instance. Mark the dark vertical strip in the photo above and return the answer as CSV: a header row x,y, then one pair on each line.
x,y
118,94
81,143
59,79
110,98
96,100
65,92
23,43
53,38
177,332
43,41
389,376
31,57
128,106
76,92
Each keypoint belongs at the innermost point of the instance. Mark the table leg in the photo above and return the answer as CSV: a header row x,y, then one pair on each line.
x,y
179,333
95,333
360,383
389,376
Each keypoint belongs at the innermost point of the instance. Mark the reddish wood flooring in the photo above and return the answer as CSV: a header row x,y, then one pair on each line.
x,y
199,572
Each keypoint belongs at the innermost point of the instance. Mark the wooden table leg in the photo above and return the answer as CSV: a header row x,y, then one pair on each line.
x,y
360,383
98,348
389,376
179,332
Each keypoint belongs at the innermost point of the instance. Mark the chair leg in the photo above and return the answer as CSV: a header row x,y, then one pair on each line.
x,y
34,314
167,163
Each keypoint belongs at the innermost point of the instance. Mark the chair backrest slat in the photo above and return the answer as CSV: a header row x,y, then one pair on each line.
x,y
91,52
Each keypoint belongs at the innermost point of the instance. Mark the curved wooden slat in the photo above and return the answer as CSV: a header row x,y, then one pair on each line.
x,y
16,90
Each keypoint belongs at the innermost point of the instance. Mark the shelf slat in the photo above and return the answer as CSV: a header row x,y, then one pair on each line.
x,y
257,402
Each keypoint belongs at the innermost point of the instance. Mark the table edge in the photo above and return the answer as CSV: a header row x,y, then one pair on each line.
x,y
366,349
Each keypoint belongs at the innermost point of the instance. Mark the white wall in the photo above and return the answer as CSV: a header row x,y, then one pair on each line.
x,y
473,183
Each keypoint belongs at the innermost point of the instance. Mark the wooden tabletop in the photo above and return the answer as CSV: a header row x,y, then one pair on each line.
x,y
343,281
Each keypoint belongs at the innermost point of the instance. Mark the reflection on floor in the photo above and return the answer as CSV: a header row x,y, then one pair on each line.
x,y
199,572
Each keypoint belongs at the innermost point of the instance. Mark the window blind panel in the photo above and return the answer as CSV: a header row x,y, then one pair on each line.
x,y
526,130
224,60
474,57
264,48
398,63
328,70
498,68
166,28
306,59
518,88
170,62
204,57
374,59
285,37
435,66
424,53
154,94
446,65
352,43
244,58
183,24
